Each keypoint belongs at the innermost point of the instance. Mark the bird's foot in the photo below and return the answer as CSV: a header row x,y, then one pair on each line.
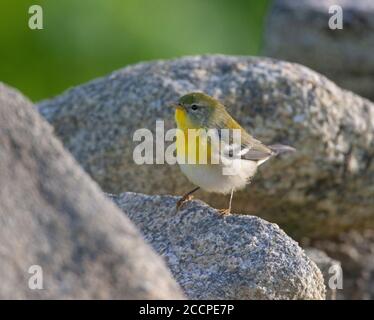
x,y
183,200
224,212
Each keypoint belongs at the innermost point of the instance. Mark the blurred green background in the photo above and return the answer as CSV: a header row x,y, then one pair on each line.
x,y
84,39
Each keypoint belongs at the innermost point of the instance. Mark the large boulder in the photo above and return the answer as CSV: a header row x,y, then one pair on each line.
x,y
325,187
56,223
230,257
298,31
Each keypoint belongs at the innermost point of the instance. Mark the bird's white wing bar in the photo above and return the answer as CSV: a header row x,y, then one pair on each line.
x,y
246,152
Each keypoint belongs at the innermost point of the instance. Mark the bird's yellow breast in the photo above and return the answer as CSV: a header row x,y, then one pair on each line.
x,y
191,146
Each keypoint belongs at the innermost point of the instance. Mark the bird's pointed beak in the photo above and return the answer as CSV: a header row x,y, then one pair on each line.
x,y
176,106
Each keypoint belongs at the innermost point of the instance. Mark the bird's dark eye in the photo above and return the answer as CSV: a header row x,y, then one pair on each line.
x,y
194,107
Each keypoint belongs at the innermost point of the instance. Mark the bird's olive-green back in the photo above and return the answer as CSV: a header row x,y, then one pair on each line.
x,y
208,113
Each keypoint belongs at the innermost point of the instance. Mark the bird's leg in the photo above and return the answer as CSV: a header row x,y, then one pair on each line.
x,y
224,212
185,198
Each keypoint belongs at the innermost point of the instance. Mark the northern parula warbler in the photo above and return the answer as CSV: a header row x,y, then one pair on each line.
x,y
195,111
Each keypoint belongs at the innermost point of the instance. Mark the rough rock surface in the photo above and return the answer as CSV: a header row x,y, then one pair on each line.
x,y
231,257
344,55
53,215
324,188
329,267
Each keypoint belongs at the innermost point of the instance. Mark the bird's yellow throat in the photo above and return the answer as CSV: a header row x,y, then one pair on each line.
x,y
182,120
190,150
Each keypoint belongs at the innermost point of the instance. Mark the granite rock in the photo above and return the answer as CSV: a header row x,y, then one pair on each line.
x,y
344,55
223,257
331,270
323,189
54,217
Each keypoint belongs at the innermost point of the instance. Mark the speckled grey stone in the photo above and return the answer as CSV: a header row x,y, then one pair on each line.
x,y
324,188
328,266
53,215
231,257
298,31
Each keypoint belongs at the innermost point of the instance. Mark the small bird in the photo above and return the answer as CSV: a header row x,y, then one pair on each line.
x,y
196,111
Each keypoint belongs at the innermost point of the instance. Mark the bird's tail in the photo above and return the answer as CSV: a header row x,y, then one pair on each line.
x,y
281,148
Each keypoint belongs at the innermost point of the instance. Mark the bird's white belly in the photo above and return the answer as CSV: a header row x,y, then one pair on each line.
x,y
220,178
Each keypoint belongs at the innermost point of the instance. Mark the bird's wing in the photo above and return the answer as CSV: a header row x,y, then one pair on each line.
x,y
256,152
249,149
